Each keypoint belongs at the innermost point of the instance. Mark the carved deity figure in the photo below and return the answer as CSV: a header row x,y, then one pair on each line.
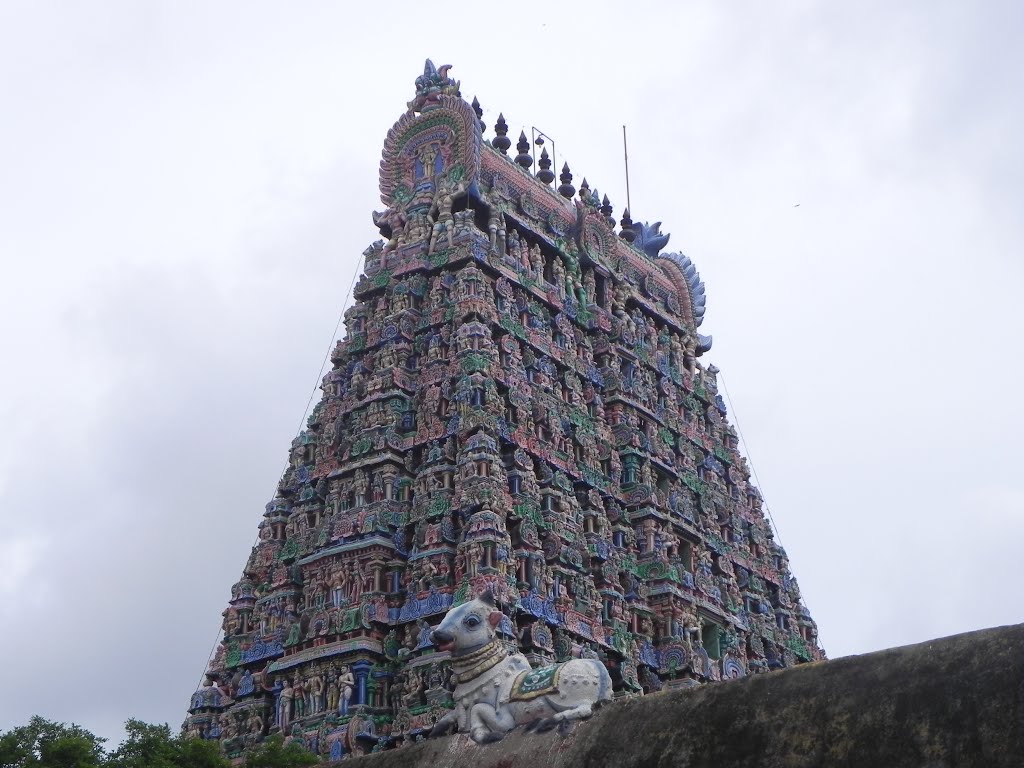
x,y
346,684
360,485
285,702
333,695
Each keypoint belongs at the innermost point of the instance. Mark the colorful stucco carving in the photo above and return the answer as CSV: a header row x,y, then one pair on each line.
x,y
517,406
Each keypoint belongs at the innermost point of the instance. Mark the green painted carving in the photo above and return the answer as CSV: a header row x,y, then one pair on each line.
x,y
439,258
798,647
592,476
529,509
349,620
401,195
667,437
693,482
474,362
234,654
290,550
439,507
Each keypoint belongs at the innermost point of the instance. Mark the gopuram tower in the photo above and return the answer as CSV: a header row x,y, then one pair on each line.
x,y
517,404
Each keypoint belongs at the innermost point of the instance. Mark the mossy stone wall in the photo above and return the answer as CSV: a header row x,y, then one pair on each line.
x,y
957,702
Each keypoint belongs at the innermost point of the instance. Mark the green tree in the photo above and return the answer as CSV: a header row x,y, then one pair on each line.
x,y
196,753
272,753
45,744
145,746
153,746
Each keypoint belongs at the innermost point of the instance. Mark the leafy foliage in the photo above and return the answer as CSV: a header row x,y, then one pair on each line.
x,y
274,754
45,744
153,746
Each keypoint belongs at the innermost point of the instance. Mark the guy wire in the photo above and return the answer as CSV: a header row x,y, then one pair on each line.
x,y
302,420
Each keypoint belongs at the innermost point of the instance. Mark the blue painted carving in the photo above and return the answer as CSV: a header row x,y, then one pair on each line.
x,y
260,650
569,306
247,684
698,299
648,655
710,462
541,607
649,237
414,608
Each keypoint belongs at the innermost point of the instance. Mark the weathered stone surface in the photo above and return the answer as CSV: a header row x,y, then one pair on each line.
x,y
956,702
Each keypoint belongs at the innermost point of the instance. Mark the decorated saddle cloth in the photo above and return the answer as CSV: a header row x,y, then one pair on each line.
x,y
535,682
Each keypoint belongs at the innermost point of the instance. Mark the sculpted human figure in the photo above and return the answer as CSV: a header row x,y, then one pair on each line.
x,y
315,693
255,724
427,575
396,694
284,705
536,260
388,358
417,229
360,484
338,583
333,694
377,490
356,577
299,697
427,157
413,695
434,348
394,220
346,683
445,222
558,275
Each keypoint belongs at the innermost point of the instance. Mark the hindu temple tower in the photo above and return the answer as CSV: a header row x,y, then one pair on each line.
x,y
518,403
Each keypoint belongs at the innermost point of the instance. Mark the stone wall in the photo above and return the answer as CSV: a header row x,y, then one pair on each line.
x,y
956,702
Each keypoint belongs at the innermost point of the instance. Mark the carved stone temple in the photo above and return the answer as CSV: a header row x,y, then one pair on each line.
x,y
518,404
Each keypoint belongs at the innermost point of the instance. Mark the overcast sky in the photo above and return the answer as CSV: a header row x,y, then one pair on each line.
x,y
185,192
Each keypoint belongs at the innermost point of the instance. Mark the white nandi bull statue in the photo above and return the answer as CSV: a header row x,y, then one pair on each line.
x,y
495,692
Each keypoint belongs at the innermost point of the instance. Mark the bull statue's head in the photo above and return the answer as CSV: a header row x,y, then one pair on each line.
x,y
468,627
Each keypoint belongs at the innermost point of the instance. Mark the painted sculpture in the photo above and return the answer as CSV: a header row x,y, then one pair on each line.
x,y
517,406
495,692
